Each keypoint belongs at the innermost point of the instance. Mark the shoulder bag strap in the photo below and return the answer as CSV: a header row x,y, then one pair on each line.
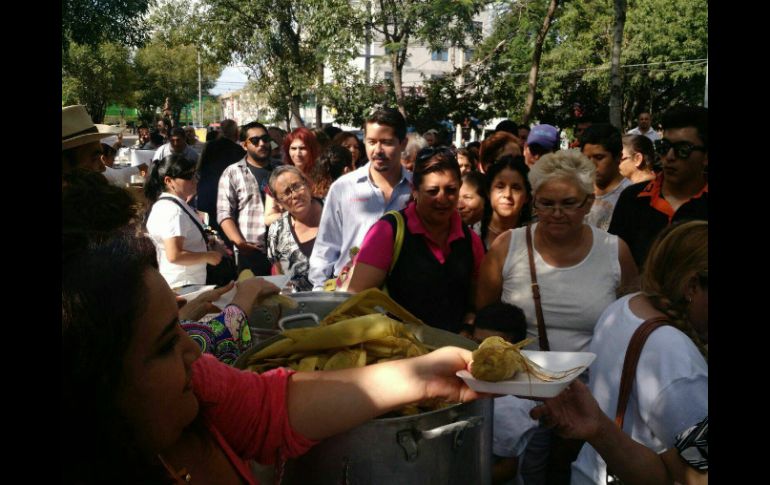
x,y
398,238
194,219
398,242
633,352
542,335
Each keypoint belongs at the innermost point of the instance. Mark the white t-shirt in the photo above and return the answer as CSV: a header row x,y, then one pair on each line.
x,y
651,134
669,395
512,425
168,220
512,429
572,298
601,212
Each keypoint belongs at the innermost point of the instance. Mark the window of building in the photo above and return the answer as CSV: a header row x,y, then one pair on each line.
x,y
388,75
468,54
440,55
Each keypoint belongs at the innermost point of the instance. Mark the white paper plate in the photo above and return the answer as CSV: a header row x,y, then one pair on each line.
x,y
526,385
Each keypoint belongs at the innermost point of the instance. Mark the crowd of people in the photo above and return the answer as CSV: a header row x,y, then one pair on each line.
x,y
510,236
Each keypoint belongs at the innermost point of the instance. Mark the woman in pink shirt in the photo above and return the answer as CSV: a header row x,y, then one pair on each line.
x,y
141,405
437,267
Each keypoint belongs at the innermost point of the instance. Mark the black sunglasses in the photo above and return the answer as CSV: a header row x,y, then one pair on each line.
x,y
256,139
682,149
428,152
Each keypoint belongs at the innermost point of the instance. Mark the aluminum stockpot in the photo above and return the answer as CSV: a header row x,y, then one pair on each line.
x,y
452,445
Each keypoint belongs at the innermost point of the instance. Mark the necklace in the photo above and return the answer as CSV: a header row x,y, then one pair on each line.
x,y
180,476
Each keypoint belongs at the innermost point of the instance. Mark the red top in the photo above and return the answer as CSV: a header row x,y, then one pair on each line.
x,y
377,247
246,413
657,202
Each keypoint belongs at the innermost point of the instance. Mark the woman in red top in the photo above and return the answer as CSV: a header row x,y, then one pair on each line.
x,y
141,405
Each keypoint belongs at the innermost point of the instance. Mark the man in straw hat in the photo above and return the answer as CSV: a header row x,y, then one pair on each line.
x,y
80,147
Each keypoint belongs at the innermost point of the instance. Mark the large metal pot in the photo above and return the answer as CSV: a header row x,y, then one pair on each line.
x,y
447,446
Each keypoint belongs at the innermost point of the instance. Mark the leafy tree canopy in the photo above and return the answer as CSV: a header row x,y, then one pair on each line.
x,y
91,22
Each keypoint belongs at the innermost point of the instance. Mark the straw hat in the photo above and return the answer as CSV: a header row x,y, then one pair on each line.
x,y
77,128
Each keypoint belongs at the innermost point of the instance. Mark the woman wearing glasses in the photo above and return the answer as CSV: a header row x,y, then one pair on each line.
x,y
301,150
290,239
436,269
637,159
182,250
579,269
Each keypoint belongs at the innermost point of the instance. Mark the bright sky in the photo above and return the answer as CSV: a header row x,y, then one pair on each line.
x,y
232,79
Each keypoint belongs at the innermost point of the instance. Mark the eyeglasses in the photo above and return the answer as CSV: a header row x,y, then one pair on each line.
x,y
295,188
550,207
189,175
428,152
256,139
682,149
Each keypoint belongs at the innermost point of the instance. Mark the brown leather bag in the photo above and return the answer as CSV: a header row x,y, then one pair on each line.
x,y
628,376
562,451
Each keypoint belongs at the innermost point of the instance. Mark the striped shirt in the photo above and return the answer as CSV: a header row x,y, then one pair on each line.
x,y
238,199
352,205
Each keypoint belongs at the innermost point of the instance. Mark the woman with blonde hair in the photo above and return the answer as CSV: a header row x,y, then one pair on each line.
x,y
669,391
579,270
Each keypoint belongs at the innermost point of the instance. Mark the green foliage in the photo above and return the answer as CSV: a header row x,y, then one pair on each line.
x,y
443,99
171,72
350,97
284,43
575,67
436,23
92,22
97,76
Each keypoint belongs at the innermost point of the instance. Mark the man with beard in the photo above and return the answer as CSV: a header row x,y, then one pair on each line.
x,y
240,199
358,199
645,127
679,193
80,146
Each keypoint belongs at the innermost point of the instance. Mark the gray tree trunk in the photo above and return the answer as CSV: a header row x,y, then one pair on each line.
x,y
319,108
616,79
529,103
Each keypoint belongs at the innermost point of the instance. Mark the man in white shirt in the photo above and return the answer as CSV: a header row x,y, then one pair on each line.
x,y
645,127
177,143
358,199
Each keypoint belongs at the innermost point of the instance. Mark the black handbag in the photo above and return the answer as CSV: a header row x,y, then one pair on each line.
x,y
224,272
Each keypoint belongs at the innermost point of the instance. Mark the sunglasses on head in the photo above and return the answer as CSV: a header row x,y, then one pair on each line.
x,y
256,139
682,149
428,152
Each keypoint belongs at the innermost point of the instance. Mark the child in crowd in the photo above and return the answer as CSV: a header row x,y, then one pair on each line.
x,y
513,426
